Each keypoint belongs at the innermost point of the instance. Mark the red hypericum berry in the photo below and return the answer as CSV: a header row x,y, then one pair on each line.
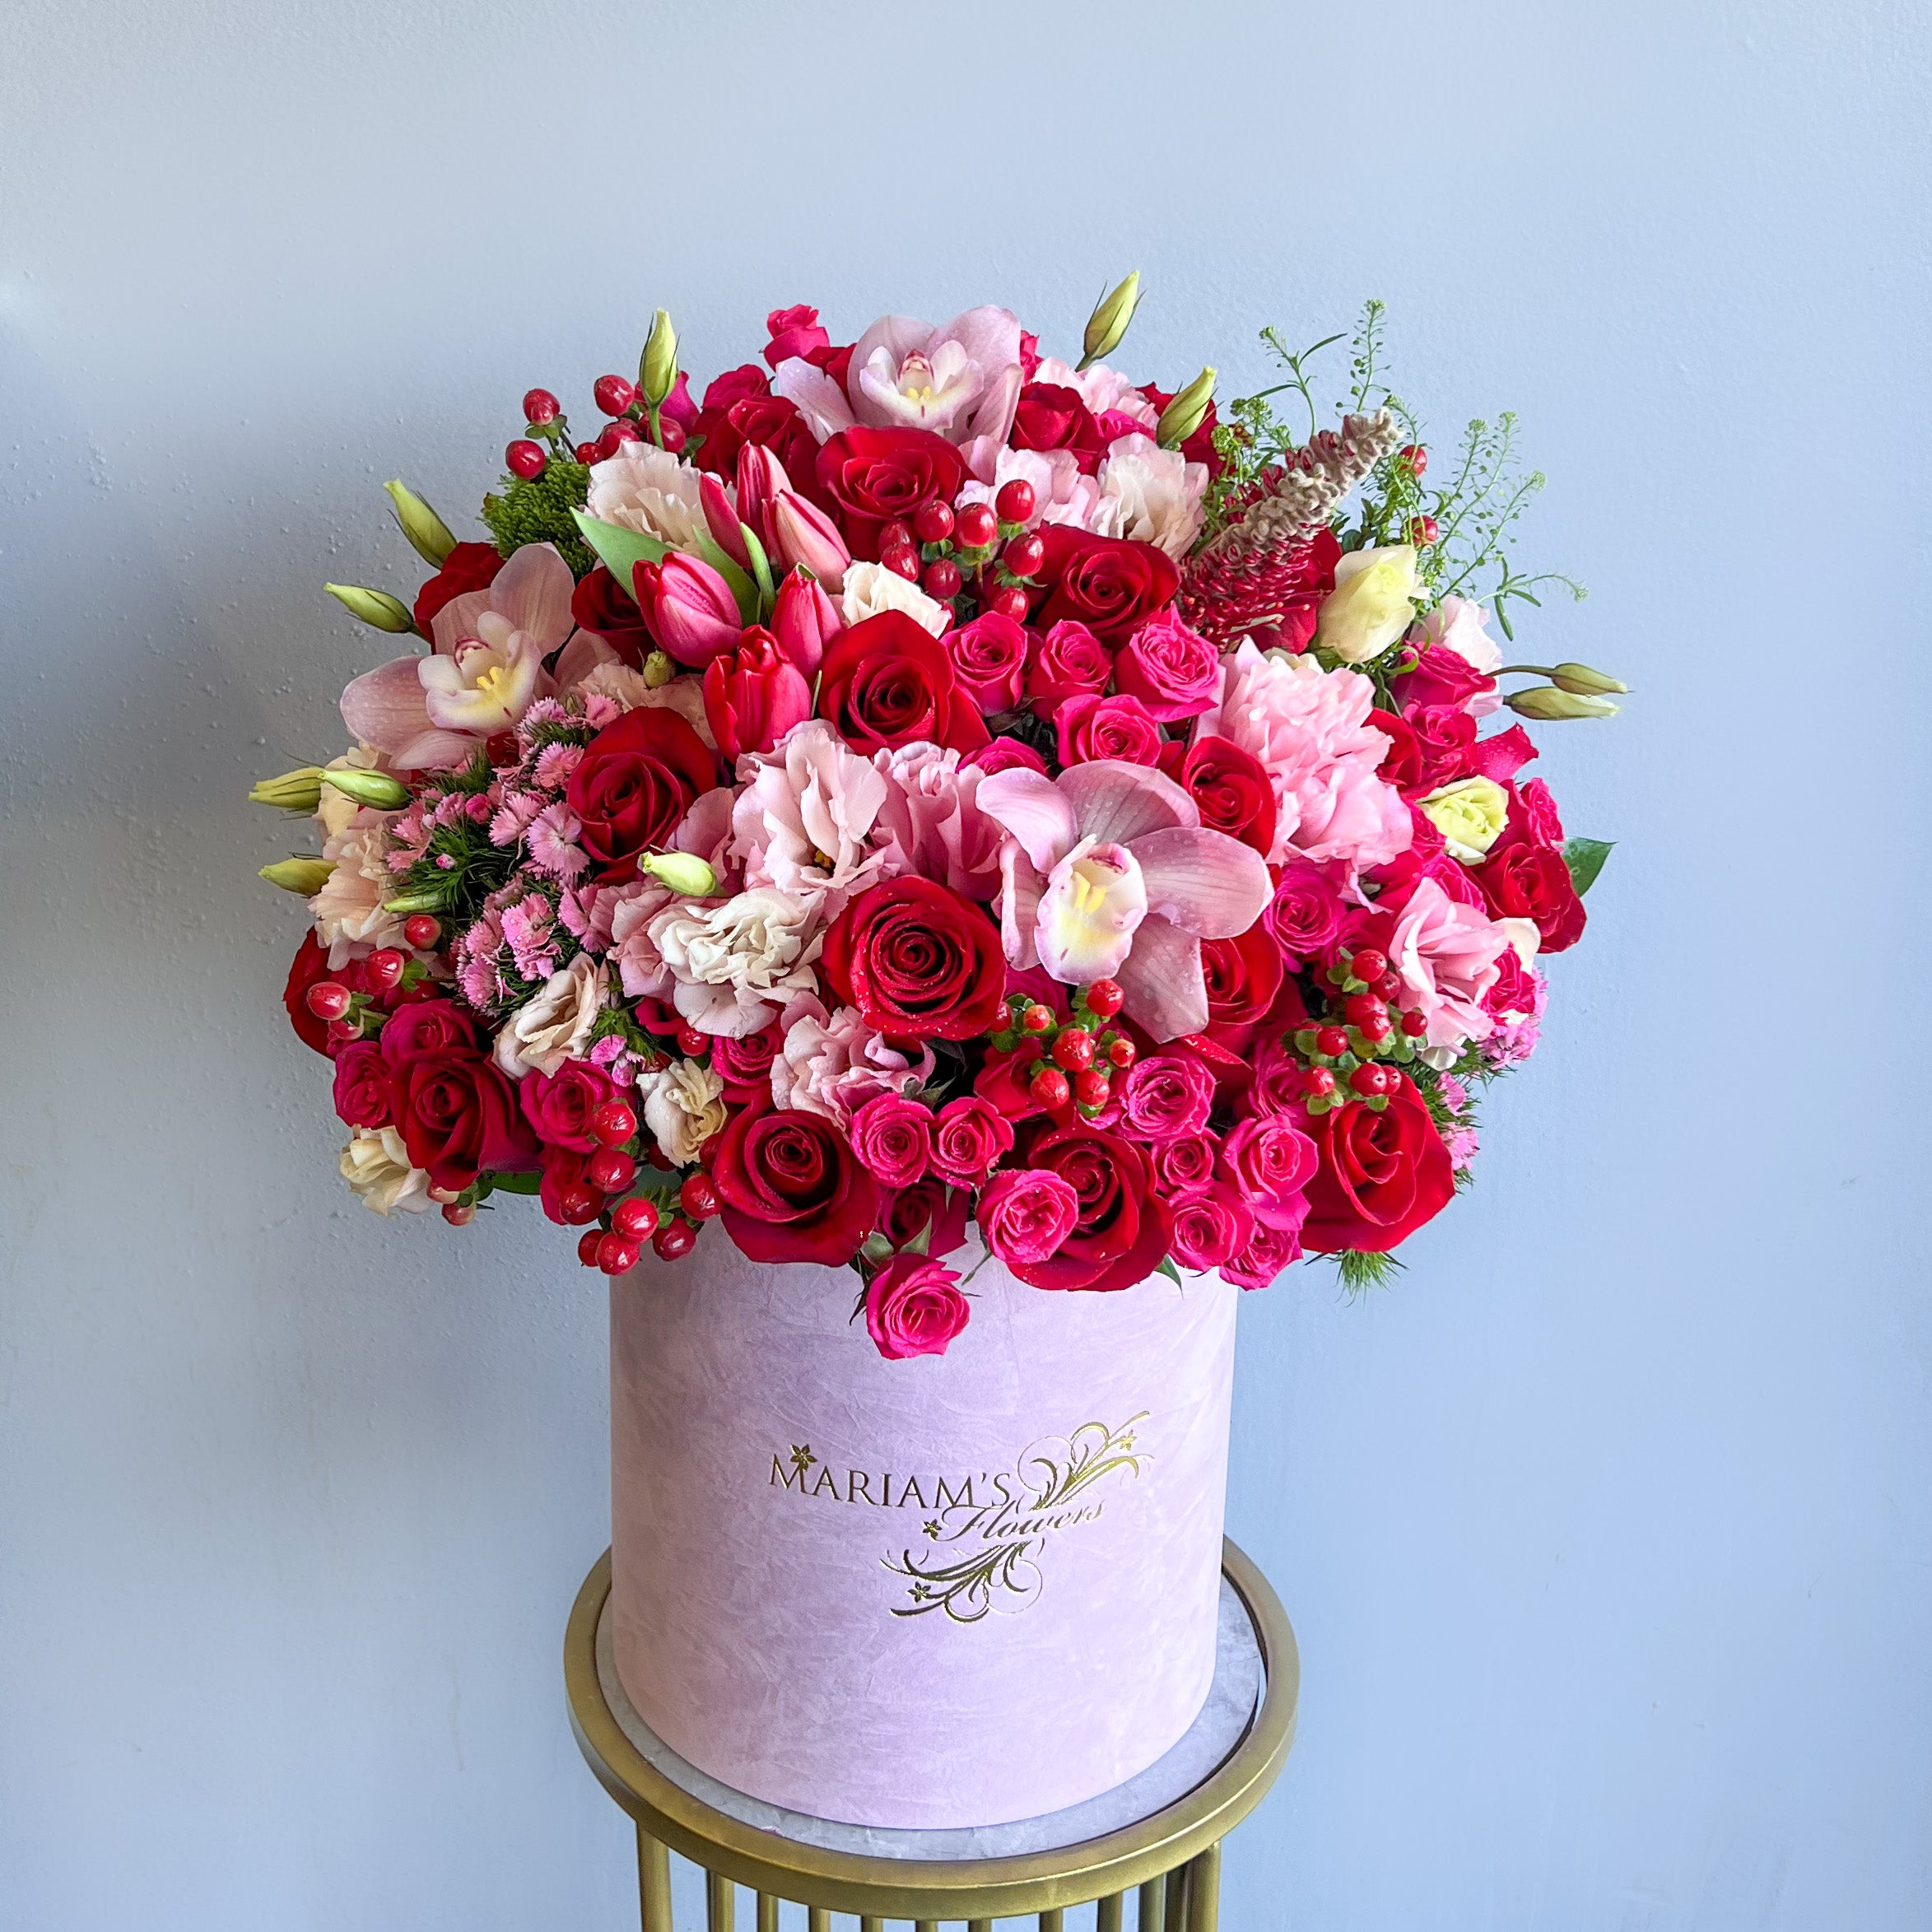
x,y
1010,601
1105,997
690,1043
1318,1083
698,1198
1122,1052
616,1255
329,999
613,1123
525,458
1092,1088
1050,1088
578,1201
1413,458
903,563
459,1213
612,394
588,453
896,535
670,436
1422,531
1024,555
342,1031
1331,1042
616,435
932,523
1366,1080
540,406
1361,1007
1369,964
422,930
1414,1026
611,1168
1388,986
1015,501
1376,1028
942,579
1073,1050
385,968
588,1243
1036,1018
674,1240
976,526
636,1219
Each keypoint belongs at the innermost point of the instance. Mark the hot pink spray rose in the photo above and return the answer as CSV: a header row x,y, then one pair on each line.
x,y
1026,1214
913,1306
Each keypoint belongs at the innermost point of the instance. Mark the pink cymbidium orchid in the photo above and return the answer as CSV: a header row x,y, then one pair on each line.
x,y
428,713
1107,873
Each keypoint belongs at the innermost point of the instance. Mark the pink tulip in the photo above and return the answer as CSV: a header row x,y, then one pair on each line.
x,y
688,606
754,694
722,520
761,481
807,538
805,621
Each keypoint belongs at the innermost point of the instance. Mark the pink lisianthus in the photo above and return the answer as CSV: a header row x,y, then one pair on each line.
x,y
1446,954
1105,391
1026,1214
1310,729
831,1063
1062,492
1108,874
931,813
810,820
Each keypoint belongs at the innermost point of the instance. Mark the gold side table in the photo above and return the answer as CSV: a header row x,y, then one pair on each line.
x,y
1171,1859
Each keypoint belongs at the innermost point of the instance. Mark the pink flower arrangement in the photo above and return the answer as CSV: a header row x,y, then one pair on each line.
x,y
934,784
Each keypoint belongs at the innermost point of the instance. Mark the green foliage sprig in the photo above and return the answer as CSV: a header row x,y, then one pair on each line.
x,y
539,509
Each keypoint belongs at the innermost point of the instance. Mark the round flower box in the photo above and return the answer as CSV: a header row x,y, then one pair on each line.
x,y
959,1589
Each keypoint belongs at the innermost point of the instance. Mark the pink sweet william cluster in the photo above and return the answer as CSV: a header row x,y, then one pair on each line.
x,y
924,782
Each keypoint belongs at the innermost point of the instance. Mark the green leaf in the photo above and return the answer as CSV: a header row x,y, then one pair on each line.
x,y
1170,1271
514,1183
618,549
761,572
704,544
1584,858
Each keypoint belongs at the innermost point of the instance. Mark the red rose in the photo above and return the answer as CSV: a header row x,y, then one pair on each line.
x,y
633,785
1122,1233
1111,584
1173,670
888,682
1002,1081
919,962
362,1085
308,968
1306,915
1402,763
1231,788
746,382
601,604
1069,661
873,477
1381,1175
795,331
1524,880
745,1065
1243,977
968,1137
913,1306
1119,728
792,1189
567,1195
433,1025
929,1207
988,658
1445,741
469,566
765,422
559,1105
458,1114
1052,418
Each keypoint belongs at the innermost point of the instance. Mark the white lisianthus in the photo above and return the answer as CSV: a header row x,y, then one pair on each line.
x,y
872,588
1153,494
684,1107
732,963
376,1166
555,1026
1372,604
349,919
648,490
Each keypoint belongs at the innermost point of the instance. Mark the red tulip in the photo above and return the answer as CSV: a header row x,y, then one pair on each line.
x,y
805,621
753,695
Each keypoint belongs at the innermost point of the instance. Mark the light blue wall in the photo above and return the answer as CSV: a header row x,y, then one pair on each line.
x,y
1606,1533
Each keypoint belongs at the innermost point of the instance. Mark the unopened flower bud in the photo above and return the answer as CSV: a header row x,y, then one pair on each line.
x,y
1184,415
376,608
1585,682
300,790
1108,324
429,536
660,670
1549,703
305,877
657,368
682,872
405,903
368,788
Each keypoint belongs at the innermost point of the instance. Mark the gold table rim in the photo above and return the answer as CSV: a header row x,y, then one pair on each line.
x,y
944,1888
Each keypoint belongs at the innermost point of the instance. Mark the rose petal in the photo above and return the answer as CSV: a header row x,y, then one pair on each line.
x,y
1207,883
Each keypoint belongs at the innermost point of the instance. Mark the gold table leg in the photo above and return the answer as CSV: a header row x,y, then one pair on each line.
x,y
720,1903
1204,1890
767,1912
1053,1921
1175,1915
653,1882
979,1925
1151,1911
1108,1912
818,1919
866,1925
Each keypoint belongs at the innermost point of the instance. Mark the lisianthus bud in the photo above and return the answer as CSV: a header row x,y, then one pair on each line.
x,y
1549,703
295,791
1469,814
429,536
660,670
1370,605
1586,682
657,367
376,608
808,539
305,877
682,872
1108,324
368,788
1184,415
805,621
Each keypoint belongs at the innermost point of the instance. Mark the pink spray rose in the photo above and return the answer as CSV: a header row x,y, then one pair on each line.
x,y
1026,1214
1173,670
559,1105
1268,1251
913,1306
1165,1096
1211,1229
1269,1162
989,657
1092,727
969,1136
892,1137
